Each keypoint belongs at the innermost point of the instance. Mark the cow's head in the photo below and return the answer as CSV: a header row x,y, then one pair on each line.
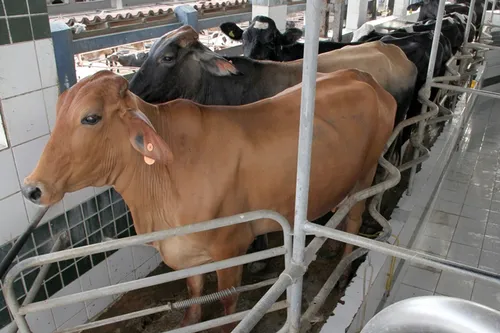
x,y
262,40
99,133
175,64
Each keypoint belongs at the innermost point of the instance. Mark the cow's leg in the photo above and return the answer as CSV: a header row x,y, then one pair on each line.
x,y
261,243
227,278
354,219
195,289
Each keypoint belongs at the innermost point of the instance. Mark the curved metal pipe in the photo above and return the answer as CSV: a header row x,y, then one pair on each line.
x,y
436,314
9,258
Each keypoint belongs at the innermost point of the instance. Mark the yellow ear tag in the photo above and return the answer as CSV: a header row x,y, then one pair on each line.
x,y
231,34
149,161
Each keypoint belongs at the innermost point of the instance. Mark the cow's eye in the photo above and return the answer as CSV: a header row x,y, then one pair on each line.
x,y
167,59
91,119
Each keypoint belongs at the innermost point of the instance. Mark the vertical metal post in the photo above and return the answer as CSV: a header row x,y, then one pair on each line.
x,y
469,20
338,20
490,21
427,88
483,18
313,9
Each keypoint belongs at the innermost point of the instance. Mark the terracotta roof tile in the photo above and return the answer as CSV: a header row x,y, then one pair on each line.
x,y
145,14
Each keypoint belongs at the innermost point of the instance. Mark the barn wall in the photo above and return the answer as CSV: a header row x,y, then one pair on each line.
x,y
28,95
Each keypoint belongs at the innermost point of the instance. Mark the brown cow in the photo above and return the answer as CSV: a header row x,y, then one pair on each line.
x,y
104,134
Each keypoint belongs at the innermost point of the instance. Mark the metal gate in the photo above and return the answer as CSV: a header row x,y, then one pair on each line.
x,y
298,258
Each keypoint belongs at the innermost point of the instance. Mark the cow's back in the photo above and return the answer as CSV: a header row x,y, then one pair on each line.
x,y
385,62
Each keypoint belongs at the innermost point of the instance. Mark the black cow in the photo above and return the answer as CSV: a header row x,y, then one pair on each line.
x,y
263,41
417,47
429,8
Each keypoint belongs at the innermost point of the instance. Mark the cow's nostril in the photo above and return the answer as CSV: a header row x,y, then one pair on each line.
x,y
32,193
35,194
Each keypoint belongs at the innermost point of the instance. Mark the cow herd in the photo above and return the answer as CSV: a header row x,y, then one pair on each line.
x,y
195,136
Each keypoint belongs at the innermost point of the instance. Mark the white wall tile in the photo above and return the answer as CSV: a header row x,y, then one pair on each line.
x,y
27,156
50,96
64,313
75,198
141,254
78,319
25,117
120,265
13,82
3,134
99,305
46,62
14,217
146,268
54,210
41,322
97,277
8,174
99,190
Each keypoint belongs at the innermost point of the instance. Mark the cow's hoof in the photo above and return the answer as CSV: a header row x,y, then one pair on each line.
x,y
256,267
192,316
344,279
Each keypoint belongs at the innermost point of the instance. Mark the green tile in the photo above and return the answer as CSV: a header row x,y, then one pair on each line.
x,y
15,7
41,27
2,13
4,33
4,317
20,29
37,6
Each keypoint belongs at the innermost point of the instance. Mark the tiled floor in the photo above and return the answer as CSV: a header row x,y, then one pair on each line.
x,y
465,223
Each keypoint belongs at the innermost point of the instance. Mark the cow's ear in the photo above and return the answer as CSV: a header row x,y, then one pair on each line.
x,y
214,63
144,138
291,36
231,30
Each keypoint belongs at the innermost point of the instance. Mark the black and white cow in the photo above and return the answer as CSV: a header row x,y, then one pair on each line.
x,y
263,41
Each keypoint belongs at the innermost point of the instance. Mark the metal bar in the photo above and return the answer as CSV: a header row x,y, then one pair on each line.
x,y
93,43
481,46
492,11
307,103
167,307
224,320
425,91
151,237
138,240
469,20
258,311
150,281
61,241
481,26
332,280
7,261
287,277
218,20
466,90
403,253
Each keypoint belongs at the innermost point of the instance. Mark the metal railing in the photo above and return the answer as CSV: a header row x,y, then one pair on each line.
x,y
19,312
298,259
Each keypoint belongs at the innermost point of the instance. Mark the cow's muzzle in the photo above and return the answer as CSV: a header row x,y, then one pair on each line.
x,y
32,192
